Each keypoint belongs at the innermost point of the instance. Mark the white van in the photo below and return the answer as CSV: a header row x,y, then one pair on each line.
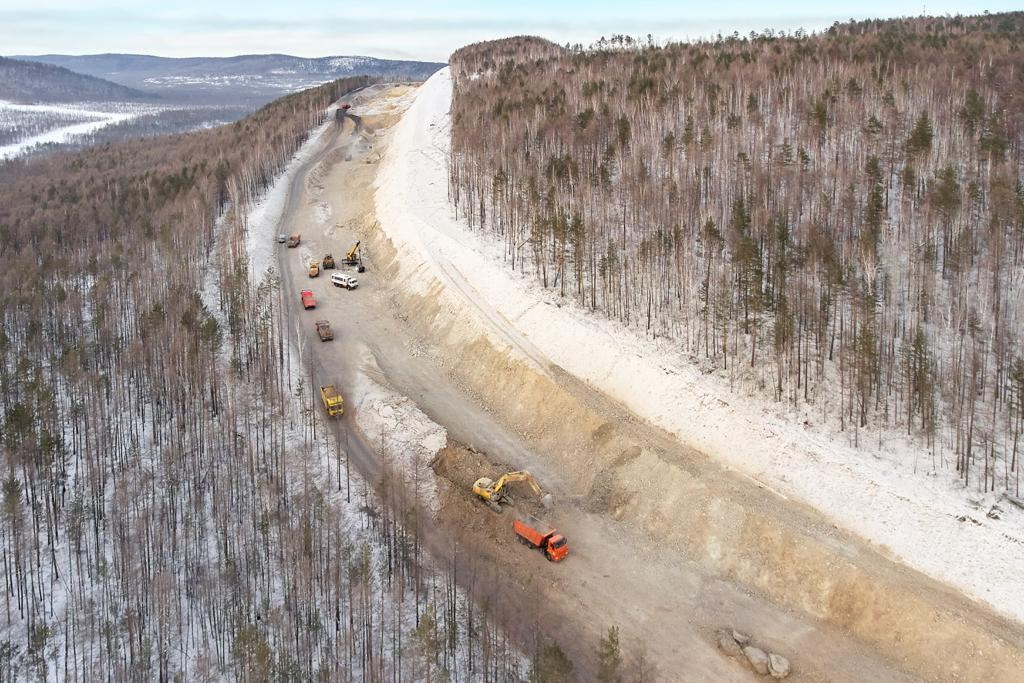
x,y
342,280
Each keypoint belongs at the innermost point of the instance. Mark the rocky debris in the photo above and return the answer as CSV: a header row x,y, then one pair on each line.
x,y
778,666
758,659
734,643
727,643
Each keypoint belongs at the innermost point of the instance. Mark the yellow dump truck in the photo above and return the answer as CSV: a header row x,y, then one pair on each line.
x,y
333,401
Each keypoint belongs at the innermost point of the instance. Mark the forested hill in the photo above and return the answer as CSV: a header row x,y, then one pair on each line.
x,y
29,82
834,221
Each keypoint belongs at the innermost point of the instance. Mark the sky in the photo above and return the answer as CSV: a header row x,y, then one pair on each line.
x,y
404,29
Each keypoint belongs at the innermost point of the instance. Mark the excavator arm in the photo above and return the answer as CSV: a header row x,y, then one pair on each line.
x,y
493,492
522,475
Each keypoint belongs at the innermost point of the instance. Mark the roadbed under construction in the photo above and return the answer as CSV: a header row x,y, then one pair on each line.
x,y
666,543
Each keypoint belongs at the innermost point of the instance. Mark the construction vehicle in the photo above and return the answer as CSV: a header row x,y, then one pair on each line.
x,y
332,400
314,268
352,258
294,240
323,328
494,493
346,281
307,299
537,533
328,262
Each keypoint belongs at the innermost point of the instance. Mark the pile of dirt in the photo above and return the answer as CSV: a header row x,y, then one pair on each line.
x,y
462,465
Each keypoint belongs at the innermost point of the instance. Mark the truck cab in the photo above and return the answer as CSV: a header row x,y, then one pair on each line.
x,y
557,548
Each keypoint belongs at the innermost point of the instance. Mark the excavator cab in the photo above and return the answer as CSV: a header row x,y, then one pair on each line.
x,y
484,487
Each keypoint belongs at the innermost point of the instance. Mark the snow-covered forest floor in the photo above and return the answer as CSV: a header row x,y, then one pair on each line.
x,y
204,523
905,500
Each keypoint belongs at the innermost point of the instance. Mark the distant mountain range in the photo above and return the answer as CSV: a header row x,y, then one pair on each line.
x,y
30,82
251,77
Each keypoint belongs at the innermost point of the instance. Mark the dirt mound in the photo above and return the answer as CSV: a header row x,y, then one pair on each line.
x,y
462,465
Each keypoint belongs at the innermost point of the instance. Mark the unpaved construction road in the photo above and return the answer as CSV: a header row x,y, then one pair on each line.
x,y
632,564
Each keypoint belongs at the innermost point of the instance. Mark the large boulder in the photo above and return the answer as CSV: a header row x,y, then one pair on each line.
x,y
778,666
728,645
758,659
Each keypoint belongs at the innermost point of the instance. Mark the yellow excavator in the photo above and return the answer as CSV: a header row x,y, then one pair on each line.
x,y
494,493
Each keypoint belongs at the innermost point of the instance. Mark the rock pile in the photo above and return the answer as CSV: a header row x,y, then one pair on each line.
x,y
734,644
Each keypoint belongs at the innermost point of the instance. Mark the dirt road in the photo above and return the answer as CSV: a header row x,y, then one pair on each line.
x,y
666,602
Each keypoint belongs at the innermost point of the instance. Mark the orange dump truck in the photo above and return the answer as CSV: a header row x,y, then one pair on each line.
x,y
537,533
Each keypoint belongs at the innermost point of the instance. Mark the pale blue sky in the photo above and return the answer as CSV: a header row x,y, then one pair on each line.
x,y
402,28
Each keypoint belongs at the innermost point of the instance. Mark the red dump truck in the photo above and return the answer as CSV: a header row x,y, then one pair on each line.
x,y
537,533
308,301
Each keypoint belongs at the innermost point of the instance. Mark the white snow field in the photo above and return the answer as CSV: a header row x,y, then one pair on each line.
x,y
62,134
887,491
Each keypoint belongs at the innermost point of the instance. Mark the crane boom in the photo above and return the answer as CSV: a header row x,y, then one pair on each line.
x,y
350,257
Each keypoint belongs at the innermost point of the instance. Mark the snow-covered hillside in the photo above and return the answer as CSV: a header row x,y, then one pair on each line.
x,y
885,491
